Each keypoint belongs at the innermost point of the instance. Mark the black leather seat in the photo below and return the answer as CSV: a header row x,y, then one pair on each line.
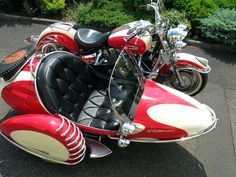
x,y
70,87
90,39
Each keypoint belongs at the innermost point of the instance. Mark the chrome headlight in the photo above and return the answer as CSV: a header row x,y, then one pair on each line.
x,y
176,34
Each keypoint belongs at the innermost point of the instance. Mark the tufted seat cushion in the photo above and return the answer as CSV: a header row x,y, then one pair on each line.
x,y
99,106
69,86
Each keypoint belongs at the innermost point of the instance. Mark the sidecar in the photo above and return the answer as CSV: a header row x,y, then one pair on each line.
x,y
68,106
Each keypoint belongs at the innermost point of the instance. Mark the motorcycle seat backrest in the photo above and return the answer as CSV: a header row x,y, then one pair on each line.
x,y
70,87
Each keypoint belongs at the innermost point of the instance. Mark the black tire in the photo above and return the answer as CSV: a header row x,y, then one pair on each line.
x,y
197,81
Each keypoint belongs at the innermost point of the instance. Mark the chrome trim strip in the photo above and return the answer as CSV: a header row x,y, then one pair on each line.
x,y
36,73
79,151
213,126
36,88
62,124
78,145
68,129
107,131
83,153
160,141
13,77
73,134
205,71
76,139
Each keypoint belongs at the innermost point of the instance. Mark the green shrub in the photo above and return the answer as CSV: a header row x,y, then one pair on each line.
x,y
134,4
176,17
101,13
220,26
226,3
180,5
198,9
51,6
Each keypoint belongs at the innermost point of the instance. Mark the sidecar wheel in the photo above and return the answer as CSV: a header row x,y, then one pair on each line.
x,y
194,82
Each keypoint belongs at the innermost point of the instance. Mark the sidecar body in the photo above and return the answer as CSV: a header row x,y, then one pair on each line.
x,y
64,102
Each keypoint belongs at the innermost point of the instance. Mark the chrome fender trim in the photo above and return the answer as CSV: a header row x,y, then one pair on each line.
x,y
189,59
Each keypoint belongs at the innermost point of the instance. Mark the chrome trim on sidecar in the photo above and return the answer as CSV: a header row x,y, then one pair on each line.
x,y
207,130
35,85
204,71
36,73
214,119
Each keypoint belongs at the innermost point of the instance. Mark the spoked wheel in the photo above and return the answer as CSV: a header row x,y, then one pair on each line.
x,y
193,82
55,47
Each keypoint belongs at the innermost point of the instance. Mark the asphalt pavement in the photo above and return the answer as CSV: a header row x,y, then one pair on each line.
x,y
211,155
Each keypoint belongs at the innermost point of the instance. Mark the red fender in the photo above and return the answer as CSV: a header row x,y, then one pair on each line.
x,y
49,137
58,38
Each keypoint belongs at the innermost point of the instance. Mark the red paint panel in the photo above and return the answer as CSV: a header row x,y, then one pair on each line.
x,y
22,97
40,122
46,124
186,63
155,95
164,69
35,63
61,39
96,131
136,44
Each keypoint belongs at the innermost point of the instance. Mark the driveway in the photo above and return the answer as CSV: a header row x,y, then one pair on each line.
x,y
211,155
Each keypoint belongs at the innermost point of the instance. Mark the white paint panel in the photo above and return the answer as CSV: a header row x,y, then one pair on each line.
x,y
71,32
24,76
41,144
185,97
188,57
190,119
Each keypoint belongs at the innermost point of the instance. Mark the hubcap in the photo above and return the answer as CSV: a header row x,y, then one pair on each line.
x,y
191,82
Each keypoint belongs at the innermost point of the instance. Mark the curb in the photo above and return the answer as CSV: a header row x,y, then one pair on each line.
x,y
206,45
31,19
190,42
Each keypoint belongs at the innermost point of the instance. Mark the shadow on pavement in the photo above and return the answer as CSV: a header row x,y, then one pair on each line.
x,y
138,159
225,56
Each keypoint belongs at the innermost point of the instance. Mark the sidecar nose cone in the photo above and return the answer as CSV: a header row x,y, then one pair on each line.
x,y
192,120
213,118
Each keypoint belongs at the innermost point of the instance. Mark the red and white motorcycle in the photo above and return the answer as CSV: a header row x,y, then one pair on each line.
x,y
155,46
67,106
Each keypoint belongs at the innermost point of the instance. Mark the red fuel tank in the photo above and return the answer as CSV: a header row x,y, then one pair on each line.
x,y
137,45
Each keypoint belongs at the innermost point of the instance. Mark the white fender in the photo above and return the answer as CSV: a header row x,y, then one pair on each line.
x,y
192,62
64,28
